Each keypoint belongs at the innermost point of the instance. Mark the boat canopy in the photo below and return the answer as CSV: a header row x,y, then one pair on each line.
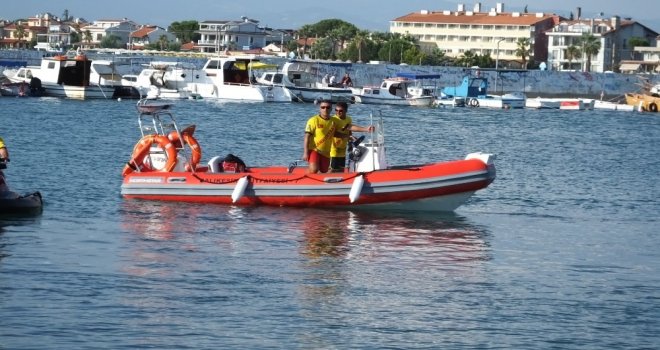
x,y
412,75
323,63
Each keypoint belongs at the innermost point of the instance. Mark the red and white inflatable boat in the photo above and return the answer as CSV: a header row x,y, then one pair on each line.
x,y
161,168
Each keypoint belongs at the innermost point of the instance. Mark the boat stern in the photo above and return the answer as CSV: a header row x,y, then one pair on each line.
x,y
488,159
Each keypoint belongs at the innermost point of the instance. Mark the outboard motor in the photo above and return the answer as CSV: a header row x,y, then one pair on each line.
x,y
36,89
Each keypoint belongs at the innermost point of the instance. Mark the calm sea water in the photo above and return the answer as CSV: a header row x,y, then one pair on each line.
x,y
561,251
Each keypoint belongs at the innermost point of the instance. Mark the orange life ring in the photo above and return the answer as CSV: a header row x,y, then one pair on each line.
x,y
142,149
60,58
190,140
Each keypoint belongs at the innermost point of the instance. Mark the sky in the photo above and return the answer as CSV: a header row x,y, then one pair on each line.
x,y
373,15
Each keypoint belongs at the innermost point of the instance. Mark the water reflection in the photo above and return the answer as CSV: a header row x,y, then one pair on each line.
x,y
442,237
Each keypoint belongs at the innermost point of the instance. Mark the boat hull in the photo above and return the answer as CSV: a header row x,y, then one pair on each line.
x,y
432,187
90,92
303,94
11,203
413,101
492,101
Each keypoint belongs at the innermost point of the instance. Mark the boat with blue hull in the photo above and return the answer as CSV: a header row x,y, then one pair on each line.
x,y
474,89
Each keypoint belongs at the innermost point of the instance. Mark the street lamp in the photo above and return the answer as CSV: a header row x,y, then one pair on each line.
x,y
497,62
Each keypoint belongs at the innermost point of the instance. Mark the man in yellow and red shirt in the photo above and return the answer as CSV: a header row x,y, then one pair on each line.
x,y
319,132
344,124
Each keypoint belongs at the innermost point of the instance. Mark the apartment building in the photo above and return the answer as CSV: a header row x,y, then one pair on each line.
x,y
493,32
614,36
121,28
231,35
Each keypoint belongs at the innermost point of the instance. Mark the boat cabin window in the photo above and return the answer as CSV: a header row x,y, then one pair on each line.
x,y
277,79
51,65
213,64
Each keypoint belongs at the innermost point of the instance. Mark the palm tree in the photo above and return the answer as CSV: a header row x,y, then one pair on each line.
x,y
590,47
20,34
88,36
334,37
572,52
163,42
360,39
522,50
304,33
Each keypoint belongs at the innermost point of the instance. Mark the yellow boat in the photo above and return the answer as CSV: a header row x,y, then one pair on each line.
x,y
644,102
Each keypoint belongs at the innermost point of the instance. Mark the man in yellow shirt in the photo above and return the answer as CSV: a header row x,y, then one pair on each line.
x,y
4,153
345,125
319,131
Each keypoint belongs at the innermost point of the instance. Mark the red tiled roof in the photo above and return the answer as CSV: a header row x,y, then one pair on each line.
x,y
306,41
475,18
188,46
142,32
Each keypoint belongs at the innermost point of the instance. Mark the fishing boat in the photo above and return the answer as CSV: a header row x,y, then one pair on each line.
x,y
12,203
75,76
231,78
474,89
165,165
406,89
644,102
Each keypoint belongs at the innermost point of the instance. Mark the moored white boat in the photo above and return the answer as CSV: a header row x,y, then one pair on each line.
x,y
166,80
613,106
160,169
303,79
76,77
403,90
506,101
231,78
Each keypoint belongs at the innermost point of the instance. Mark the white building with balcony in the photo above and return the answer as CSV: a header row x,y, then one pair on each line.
x,y
613,34
492,32
121,28
231,35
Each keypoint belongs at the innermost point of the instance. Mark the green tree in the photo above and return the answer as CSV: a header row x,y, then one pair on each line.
x,y
590,47
322,48
20,34
185,31
572,52
636,42
111,42
163,42
360,40
467,59
87,36
305,32
393,50
322,27
522,50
